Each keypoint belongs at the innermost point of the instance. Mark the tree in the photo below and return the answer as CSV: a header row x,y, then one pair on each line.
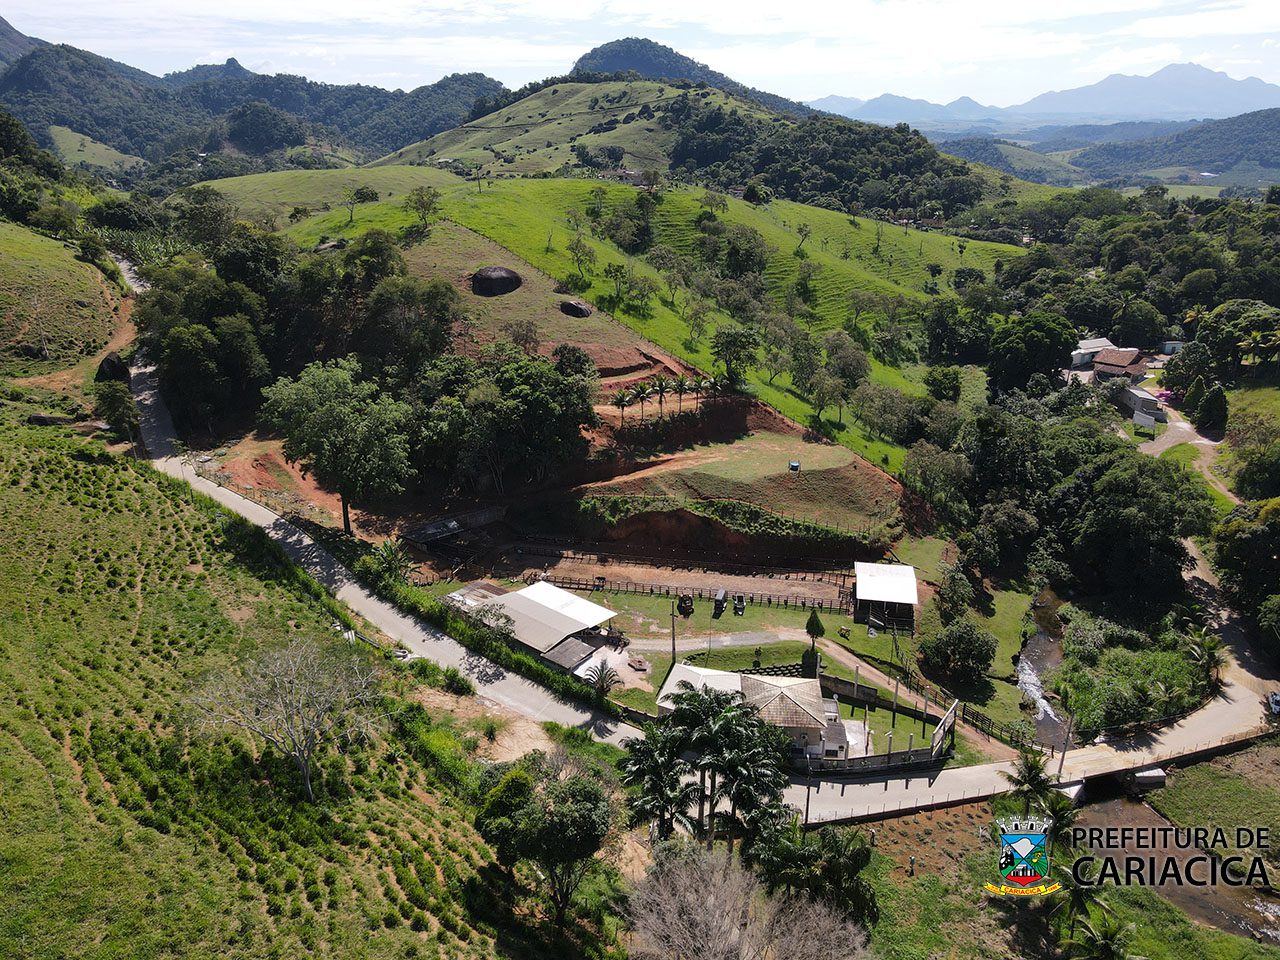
x,y
804,232
572,361
681,386
962,650
392,560
698,313
943,383
1039,342
423,203
1061,813
1211,413
583,254
353,196
735,347
955,593
824,391
523,332
560,830
296,699
406,321
621,399
732,920
661,386
814,627
1104,938
602,678
1080,898
1029,779
340,428
1194,396
620,277
939,476
113,402
498,818
653,766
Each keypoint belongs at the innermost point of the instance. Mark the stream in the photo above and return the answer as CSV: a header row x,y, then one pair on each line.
x,y
1042,654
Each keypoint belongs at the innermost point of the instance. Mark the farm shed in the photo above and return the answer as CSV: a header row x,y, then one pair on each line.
x,y
548,620
885,595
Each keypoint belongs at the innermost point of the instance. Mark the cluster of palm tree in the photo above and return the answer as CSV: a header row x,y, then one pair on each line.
x,y
658,389
1263,346
738,761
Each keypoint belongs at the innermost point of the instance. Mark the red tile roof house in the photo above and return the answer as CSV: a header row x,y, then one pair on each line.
x,y
1120,362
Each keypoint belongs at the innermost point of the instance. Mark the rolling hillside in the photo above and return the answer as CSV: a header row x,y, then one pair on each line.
x,y
1020,161
1239,149
528,217
54,309
539,133
128,833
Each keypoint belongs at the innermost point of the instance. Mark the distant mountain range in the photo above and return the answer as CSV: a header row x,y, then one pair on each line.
x,y
1180,91
138,114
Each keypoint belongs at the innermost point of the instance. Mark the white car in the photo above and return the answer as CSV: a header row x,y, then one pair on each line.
x,y
1273,702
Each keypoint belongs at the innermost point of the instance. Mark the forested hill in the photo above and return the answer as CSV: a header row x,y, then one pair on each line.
x,y
14,44
654,61
1213,146
135,112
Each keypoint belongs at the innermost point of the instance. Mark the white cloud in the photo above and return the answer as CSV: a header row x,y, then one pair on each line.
x,y
998,51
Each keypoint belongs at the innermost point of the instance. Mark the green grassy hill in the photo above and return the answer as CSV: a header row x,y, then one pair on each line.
x,y
1019,161
527,217
49,301
126,834
77,148
537,134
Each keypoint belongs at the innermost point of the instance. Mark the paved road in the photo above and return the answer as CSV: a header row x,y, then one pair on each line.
x,y
492,682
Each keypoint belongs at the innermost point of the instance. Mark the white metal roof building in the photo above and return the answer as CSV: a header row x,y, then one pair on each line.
x,y
885,594
543,615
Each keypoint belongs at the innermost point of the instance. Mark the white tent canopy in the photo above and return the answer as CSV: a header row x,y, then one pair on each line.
x,y
542,614
886,583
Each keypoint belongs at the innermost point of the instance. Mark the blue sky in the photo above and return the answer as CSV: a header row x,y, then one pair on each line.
x,y
1000,52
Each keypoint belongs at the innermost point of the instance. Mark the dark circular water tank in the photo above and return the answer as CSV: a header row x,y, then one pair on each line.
x,y
494,281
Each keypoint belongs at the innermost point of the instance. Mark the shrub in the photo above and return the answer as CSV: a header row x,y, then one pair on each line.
x,y
962,650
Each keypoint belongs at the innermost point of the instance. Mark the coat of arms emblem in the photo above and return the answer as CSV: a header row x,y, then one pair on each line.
x,y
1024,859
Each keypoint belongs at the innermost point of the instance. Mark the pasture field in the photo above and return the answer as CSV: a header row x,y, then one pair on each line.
x,y
49,300
453,253
527,217
538,134
77,148
272,196
1255,397
128,833
833,487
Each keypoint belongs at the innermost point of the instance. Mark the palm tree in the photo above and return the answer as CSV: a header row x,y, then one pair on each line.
x,y
1254,344
842,856
1207,652
621,400
1105,938
1029,779
1079,900
692,709
603,678
661,386
680,386
721,739
640,393
1191,318
654,765
753,778
1061,812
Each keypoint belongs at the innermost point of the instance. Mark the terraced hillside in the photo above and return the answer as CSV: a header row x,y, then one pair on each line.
x,y
126,833
538,134
54,309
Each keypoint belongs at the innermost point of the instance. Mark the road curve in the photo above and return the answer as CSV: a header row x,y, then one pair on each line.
x,y
492,682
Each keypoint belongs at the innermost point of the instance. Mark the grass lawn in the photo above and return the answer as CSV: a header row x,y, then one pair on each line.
x,y
48,298
834,487
642,615
126,832
1187,454
1255,397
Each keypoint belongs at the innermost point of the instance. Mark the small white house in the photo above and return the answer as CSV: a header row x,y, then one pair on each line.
x,y
1138,401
